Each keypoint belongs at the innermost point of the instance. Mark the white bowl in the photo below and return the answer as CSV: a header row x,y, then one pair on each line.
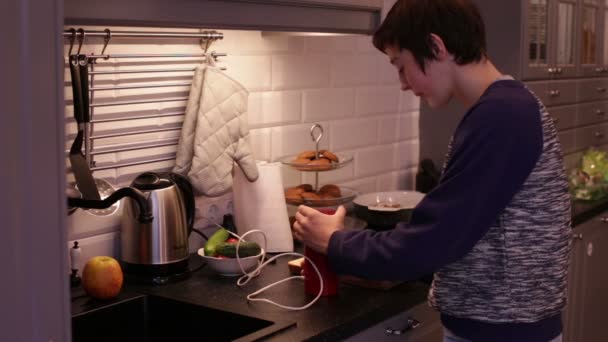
x,y
229,266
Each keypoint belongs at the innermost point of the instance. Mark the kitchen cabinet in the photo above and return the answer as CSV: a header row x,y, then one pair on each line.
x,y
594,30
332,16
550,38
420,324
587,282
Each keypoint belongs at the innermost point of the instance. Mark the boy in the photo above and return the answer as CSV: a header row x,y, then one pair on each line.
x,y
496,229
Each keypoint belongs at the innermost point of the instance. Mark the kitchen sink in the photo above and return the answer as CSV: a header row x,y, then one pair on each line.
x,y
152,318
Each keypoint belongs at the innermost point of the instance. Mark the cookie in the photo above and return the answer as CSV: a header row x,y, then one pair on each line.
x,y
307,155
331,190
305,187
293,196
330,155
310,196
301,161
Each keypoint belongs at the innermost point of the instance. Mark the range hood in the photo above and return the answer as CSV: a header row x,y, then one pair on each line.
x,y
330,16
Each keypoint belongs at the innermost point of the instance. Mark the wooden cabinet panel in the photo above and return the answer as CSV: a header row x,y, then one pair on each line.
x,y
564,116
587,295
592,113
568,140
592,90
591,136
554,93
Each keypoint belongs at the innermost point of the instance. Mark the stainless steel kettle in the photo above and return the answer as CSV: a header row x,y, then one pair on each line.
x,y
159,247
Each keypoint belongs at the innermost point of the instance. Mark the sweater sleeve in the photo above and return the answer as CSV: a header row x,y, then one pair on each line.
x,y
494,150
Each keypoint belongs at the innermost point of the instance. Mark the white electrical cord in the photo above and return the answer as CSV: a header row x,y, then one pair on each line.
x,y
248,276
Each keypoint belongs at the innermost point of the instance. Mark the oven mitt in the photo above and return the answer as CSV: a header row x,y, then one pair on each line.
x,y
214,133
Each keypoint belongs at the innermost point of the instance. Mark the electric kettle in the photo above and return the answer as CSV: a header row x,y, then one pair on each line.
x,y
159,247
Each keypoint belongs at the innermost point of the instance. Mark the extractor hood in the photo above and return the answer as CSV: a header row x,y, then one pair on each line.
x,y
331,16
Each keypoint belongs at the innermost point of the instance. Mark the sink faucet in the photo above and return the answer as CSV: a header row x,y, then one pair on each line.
x,y
145,215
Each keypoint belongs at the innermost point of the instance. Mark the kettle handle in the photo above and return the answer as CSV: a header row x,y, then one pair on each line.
x,y
185,187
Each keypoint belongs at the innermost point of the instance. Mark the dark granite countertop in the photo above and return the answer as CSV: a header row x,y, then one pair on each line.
x,y
584,210
332,318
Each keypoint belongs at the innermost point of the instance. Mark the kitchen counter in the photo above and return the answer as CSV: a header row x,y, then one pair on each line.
x,y
333,318
584,210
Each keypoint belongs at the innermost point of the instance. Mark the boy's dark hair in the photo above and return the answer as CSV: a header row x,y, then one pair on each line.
x,y
409,25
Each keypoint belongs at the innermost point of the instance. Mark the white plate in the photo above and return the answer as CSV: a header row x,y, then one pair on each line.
x,y
374,201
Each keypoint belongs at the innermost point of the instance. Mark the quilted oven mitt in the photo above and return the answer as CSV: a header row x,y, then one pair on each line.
x,y
214,133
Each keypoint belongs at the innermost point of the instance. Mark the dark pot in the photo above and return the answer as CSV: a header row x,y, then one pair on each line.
x,y
383,210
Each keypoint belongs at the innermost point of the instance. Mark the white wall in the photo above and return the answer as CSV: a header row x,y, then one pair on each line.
x,y
341,82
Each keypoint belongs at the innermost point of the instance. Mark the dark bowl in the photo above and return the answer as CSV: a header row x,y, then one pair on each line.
x,y
383,210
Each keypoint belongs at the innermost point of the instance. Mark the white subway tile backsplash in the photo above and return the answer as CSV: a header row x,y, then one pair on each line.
x,y
387,73
299,72
352,70
327,104
388,129
348,134
362,185
408,126
374,160
408,102
274,108
406,154
364,45
331,44
253,72
259,141
377,100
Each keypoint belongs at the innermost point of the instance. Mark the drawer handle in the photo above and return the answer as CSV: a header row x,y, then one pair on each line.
x,y
577,236
554,93
600,70
411,325
598,135
551,71
604,219
601,90
599,112
559,71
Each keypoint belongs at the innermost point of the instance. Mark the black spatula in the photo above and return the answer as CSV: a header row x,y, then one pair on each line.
x,y
80,90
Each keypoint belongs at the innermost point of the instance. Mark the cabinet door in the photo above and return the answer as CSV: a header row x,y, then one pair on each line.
x,y
571,314
587,320
563,54
536,39
603,47
590,38
550,38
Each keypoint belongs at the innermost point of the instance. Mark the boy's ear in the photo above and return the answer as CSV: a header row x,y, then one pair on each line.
x,y
441,52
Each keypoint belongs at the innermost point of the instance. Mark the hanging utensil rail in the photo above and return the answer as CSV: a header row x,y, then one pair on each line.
x,y
99,59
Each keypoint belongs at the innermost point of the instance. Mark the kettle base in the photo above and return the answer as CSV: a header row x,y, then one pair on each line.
x,y
158,274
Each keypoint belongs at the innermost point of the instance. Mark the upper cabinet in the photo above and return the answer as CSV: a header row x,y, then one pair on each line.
x,y
550,38
564,38
330,16
593,57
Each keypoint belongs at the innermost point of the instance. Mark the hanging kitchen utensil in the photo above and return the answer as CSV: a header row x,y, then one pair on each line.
x,y
80,90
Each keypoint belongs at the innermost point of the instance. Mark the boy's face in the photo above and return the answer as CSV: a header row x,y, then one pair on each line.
x,y
431,85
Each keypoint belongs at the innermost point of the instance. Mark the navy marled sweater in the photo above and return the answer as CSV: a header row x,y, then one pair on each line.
x,y
495,230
